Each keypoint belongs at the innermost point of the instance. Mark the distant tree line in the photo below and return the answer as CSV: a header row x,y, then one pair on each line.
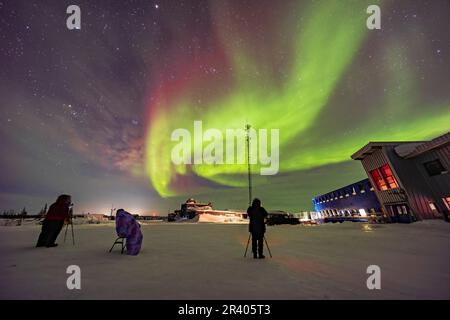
x,y
13,214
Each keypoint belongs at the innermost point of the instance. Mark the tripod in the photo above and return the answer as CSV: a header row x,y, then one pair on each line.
x,y
67,227
248,241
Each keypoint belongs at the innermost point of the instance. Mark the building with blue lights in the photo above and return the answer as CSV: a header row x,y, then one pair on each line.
x,y
407,181
357,199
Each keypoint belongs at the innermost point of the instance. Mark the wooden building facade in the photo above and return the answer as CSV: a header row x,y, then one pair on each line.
x,y
411,179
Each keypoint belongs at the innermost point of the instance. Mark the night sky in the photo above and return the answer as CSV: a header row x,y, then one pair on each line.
x,y
90,112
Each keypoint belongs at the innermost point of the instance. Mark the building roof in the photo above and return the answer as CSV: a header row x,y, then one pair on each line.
x,y
438,142
405,149
371,147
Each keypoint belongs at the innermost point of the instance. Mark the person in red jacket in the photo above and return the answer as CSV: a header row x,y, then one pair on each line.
x,y
54,221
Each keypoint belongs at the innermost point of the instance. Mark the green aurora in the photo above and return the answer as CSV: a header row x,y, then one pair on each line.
x,y
323,40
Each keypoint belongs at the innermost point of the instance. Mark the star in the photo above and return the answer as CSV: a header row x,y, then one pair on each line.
x,y
127,77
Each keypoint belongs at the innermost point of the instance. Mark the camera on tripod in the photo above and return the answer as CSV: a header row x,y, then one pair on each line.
x,y
69,221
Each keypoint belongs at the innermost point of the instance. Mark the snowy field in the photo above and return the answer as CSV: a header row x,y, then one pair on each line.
x,y
205,261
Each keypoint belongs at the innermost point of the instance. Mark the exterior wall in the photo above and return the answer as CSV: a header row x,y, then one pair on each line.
x,y
422,189
417,193
349,198
438,185
416,187
386,197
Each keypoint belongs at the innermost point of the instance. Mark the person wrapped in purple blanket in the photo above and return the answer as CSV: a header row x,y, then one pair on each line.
x,y
127,227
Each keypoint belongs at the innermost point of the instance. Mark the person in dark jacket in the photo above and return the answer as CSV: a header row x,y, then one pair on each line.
x,y
54,221
257,227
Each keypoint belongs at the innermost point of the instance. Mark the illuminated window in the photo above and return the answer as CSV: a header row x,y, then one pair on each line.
x,y
361,188
389,177
378,180
447,202
383,178
433,206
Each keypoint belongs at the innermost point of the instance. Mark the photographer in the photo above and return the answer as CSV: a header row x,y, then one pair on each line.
x,y
257,227
127,227
54,221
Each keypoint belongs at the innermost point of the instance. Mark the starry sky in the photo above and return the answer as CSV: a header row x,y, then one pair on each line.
x,y
90,112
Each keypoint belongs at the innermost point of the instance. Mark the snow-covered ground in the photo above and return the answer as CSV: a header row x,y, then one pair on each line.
x,y
205,261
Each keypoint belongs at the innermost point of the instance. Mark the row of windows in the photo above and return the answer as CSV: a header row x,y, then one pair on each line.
x,y
346,192
347,212
383,178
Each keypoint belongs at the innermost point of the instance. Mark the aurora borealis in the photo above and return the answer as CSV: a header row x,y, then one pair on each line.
x,y
90,112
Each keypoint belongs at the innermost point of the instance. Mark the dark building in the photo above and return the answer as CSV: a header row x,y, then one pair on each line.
x,y
355,199
411,179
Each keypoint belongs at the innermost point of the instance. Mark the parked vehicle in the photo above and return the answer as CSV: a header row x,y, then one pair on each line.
x,y
281,217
